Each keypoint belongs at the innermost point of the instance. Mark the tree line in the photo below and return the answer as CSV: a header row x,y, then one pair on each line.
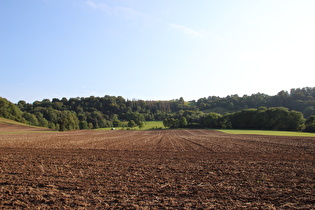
x,y
95,112
262,118
248,112
299,99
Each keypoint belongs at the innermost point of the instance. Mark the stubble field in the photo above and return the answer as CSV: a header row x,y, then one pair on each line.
x,y
161,169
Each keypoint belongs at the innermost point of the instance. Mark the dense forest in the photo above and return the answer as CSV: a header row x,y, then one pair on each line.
x,y
292,110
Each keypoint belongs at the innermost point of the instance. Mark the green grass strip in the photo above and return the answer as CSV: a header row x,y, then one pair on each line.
x,y
148,125
271,133
12,122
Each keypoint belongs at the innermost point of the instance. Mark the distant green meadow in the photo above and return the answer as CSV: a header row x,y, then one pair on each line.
x,y
149,125
271,133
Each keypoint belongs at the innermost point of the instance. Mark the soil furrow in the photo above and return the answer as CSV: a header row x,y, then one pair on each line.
x,y
161,169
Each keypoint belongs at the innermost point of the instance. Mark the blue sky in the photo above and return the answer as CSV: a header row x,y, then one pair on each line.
x,y
154,50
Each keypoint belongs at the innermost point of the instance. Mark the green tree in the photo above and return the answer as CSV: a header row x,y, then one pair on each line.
x,y
42,122
141,118
57,127
141,125
102,123
68,121
310,124
116,123
225,121
51,125
295,121
166,123
309,111
22,105
30,118
277,117
182,122
10,111
171,123
83,125
57,105
210,120
131,124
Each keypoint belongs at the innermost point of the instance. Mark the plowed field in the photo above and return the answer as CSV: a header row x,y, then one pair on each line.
x,y
163,169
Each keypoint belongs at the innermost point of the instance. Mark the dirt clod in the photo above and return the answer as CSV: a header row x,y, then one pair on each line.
x,y
165,169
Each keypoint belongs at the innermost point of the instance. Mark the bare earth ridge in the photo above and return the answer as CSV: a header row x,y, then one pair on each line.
x,y
162,169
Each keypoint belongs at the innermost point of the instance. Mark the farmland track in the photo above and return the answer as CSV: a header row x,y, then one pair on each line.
x,y
160,169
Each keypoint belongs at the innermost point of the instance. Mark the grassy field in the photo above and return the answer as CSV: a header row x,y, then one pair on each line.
x,y
12,127
7,121
147,126
153,125
272,133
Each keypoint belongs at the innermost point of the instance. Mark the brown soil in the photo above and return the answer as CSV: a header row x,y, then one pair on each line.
x,y
20,128
163,169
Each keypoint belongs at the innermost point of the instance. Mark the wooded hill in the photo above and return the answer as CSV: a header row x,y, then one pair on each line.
x,y
256,111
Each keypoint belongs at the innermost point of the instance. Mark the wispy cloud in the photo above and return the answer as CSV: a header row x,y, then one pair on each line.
x,y
100,6
115,11
189,31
